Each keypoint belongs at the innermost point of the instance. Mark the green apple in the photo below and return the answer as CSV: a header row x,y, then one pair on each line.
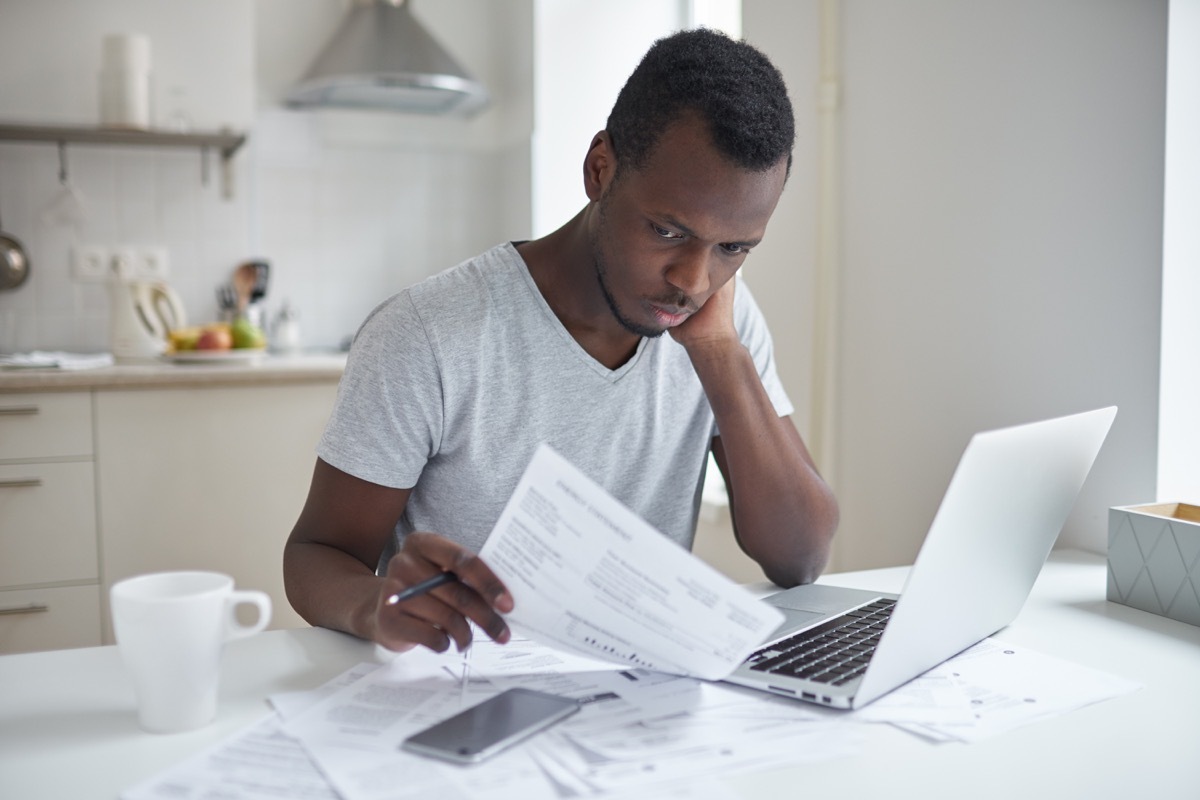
x,y
247,335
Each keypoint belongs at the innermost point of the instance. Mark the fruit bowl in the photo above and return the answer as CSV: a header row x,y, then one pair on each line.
x,y
239,341
241,355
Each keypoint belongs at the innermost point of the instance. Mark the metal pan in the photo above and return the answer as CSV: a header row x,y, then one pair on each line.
x,y
14,262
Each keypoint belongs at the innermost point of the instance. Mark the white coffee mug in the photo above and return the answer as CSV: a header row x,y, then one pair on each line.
x,y
171,628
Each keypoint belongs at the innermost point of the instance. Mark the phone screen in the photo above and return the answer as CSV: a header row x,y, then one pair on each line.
x,y
495,724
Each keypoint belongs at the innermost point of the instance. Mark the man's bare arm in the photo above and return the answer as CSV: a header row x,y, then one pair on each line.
x,y
329,570
784,514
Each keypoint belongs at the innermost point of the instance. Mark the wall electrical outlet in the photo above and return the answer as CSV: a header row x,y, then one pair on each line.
x,y
151,263
123,262
97,262
90,262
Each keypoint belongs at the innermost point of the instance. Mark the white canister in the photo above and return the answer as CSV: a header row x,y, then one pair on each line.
x,y
125,81
126,52
285,334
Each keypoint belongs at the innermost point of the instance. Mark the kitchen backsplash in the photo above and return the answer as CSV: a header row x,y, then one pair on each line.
x,y
342,227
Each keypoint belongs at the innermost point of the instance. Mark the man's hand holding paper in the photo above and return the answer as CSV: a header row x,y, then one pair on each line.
x,y
588,575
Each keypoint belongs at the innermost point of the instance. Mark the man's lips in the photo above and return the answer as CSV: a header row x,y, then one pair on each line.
x,y
669,316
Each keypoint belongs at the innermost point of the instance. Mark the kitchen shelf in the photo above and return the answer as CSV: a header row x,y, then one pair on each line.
x,y
225,142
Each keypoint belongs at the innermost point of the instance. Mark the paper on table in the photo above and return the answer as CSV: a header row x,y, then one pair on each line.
x,y
588,575
928,699
260,762
354,732
1008,686
636,729
290,704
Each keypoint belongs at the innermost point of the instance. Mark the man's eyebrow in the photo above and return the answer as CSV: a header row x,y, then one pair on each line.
x,y
674,223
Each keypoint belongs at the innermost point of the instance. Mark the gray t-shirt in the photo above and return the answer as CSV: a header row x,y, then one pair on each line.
x,y
452,384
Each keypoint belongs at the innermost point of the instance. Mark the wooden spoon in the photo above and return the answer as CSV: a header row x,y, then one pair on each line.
x,y
244,278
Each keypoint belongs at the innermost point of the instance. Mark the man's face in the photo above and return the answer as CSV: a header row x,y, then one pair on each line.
x,y
672,233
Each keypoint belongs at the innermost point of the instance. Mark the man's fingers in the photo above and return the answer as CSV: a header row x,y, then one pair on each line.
x,y
432,619
438,553
425,621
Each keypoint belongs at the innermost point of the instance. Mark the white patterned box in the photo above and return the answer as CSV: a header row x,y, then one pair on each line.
x,y
1154,559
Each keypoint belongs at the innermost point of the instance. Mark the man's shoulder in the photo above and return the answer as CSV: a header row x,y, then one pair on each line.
x,y
466,287
471,302
461,289
746,311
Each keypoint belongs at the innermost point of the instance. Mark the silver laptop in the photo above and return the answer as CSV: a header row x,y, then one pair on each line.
x,y
1005,505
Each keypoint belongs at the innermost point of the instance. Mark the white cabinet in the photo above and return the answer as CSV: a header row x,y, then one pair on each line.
x,y
206,478
49,575
100,484
49,618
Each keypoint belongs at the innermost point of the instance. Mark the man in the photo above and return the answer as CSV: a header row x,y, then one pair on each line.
x,y
452,384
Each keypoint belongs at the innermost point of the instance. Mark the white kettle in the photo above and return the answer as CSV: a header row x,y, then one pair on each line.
x,y
140,316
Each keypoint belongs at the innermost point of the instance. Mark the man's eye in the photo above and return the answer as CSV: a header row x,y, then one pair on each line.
x,y
664,233
735,249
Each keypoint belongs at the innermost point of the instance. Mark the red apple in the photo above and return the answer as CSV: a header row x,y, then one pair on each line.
x,y
215,338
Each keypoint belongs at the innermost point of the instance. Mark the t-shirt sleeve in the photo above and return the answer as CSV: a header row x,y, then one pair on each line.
x,y
387,420
753,331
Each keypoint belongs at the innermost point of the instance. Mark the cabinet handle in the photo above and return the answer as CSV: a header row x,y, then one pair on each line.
x,y
20,483
18,411
32,608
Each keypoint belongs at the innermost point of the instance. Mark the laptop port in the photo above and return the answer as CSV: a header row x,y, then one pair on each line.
x,y
808,695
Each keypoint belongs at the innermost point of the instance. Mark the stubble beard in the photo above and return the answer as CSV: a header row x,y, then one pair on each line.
x,y
602,279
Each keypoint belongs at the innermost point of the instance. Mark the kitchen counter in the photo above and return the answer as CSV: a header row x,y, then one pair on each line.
x,y
270,370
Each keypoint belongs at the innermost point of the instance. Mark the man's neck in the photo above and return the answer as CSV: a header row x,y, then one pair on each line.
x,y
563,268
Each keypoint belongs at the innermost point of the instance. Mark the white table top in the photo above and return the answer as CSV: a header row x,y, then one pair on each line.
x,y
68,726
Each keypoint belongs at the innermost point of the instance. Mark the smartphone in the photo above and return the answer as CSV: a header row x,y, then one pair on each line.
x,y
481,731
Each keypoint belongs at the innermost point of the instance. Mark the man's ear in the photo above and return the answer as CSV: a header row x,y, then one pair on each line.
x,y
599,166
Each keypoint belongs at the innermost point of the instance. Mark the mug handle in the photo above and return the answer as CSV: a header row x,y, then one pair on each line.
x,y
261,600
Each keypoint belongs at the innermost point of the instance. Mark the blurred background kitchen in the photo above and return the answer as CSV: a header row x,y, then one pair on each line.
x,y
990,218
348,207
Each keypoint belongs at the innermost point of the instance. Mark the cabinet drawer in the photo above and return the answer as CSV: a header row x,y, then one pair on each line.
x,y
49,619
47,523
45,425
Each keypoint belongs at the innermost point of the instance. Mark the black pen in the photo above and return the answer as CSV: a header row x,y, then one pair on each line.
x,y
425,586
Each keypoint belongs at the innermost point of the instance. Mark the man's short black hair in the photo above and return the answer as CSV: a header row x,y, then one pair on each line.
x,y
732,86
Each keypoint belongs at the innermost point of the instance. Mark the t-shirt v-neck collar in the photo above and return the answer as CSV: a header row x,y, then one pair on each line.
x,y
564,335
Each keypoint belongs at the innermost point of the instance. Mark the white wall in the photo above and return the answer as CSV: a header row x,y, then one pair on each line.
x,y
50,52
347,207
1179,420
1002,221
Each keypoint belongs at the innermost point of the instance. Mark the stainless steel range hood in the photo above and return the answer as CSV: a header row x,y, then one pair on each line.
x,y
381,58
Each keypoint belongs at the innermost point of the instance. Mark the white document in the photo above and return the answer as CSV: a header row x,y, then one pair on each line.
x,y
290,704
260,762
588,575
1008,686
928,699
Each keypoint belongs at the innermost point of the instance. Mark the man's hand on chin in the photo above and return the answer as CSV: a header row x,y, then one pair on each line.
x,y
712,324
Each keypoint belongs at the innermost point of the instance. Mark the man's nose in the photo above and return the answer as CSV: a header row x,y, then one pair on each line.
x,y
689,271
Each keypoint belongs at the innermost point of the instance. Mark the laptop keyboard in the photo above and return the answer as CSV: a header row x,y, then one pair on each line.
x,y
834,652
